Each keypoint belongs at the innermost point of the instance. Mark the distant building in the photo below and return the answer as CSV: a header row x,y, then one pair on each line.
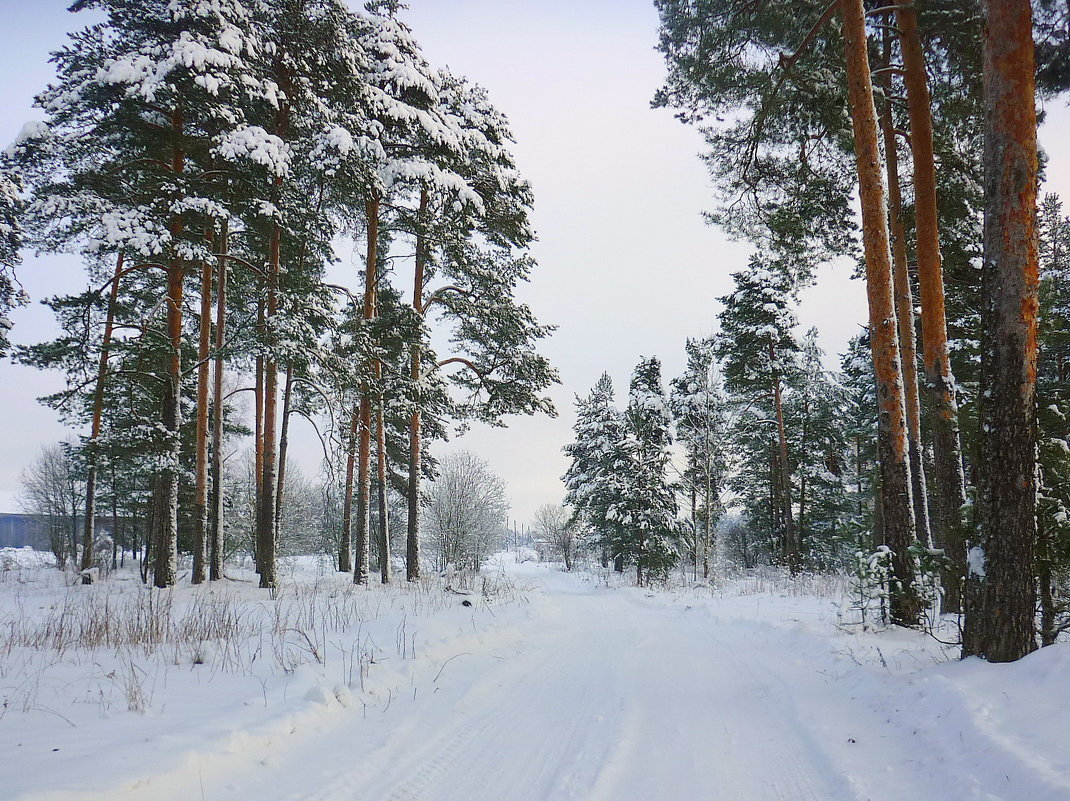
x,y
18,530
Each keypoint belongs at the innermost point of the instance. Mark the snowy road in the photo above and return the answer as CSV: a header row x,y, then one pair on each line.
x,y
614,695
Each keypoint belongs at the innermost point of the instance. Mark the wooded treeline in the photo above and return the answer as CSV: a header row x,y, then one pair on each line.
x,y
209,161
942,445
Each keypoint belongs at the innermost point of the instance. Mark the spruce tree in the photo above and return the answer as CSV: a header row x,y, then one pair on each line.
x,y
646,508
698,409
1053,414
593,480
815,417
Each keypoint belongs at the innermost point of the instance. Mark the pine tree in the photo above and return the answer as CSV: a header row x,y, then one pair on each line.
x,y
947,449
1001,629
155,85
765,84
896,502
757,348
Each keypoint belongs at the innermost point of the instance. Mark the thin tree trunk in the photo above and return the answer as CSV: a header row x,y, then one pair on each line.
x,y
412,532
775,506
790,546
384,511
166,549
949,480
1045,588
364,446
904,306
115,525
412,528
898,513
215,536
200,508
861,508
708,534
94,431
708,457
1002,629
284,442
694,532
265,545
639,561
258,433
165,556
345,547
152,513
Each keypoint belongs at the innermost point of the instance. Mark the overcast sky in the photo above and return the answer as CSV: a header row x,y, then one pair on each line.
x,y
627,268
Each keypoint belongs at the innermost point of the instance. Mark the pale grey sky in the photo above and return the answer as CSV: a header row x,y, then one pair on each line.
x,y
627,268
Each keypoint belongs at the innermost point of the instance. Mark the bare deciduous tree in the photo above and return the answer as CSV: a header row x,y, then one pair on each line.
x,y
52,488
553,525
466,511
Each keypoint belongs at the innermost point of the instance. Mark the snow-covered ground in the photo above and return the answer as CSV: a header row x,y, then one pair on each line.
x,y
547,686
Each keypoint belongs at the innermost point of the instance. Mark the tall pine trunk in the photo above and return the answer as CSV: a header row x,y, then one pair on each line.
x,y
165,562
384,510
412,527
949,480
707,535
897,504
265,535
1002,629
364,442
89,530
345,546
258,432
904,307
200,507
215,534
284,442
789,548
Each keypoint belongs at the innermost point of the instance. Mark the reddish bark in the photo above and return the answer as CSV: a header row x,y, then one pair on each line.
x,y
897,504
904,307
200,508
1002,629
265,539
950,482
165,555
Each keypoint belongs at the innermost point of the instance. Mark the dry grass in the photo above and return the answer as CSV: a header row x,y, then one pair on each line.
x,y
122,637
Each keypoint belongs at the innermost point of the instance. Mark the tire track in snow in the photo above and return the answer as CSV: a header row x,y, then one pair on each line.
x,y
540,732
713,724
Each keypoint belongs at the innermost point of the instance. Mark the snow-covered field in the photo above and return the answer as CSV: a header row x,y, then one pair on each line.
x,y
547,686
